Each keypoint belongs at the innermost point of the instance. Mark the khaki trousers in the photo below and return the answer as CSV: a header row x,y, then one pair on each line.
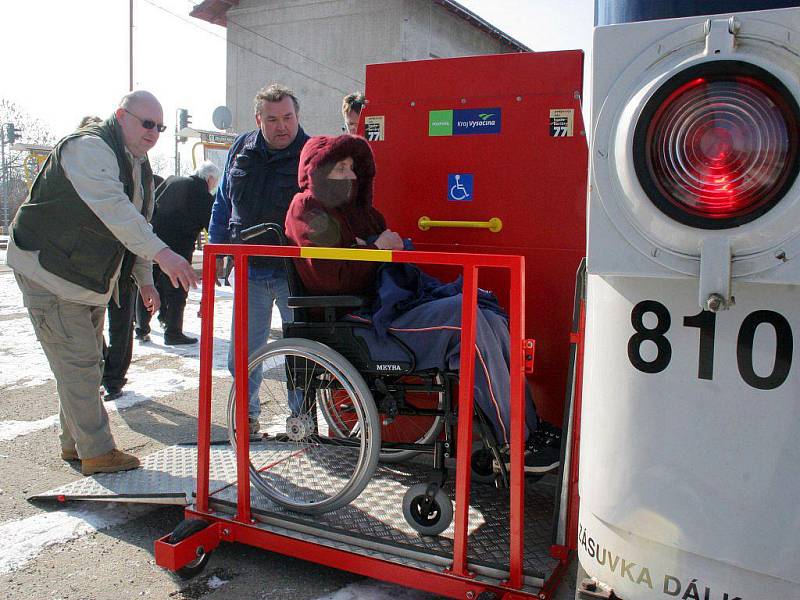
x,y
71,336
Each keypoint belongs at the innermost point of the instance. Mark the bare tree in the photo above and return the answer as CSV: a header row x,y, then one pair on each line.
x,y
20,166
160,164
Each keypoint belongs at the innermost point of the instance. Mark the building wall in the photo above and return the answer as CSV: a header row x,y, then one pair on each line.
x,y
431,31
320,49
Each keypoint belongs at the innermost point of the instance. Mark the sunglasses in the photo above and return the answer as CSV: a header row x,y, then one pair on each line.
x,y
147,123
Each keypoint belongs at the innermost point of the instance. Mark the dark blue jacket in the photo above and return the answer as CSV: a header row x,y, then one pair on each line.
x,y
256,187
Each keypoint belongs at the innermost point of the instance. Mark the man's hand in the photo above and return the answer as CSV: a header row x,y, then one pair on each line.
x,y
389,240
177,268
150,297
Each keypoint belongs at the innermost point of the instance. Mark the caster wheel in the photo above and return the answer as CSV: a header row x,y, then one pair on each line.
x,y
428,516
481,465
184,529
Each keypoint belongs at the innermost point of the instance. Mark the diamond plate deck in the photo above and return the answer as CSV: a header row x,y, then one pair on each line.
x,y
375,519
373,522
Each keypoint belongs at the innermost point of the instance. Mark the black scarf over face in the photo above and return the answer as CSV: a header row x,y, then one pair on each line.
x,y
331,193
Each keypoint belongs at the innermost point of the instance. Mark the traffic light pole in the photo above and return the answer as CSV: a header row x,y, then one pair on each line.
x,y
182,120
10,134
5,183
177,156
177,153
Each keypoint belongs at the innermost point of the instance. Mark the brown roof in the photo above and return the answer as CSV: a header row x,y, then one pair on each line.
x,y
215,11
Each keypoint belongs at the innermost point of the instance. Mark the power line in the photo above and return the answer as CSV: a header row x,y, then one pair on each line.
x,y
253,52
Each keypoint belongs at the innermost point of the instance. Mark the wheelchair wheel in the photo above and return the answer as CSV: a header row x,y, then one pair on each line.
x,y
420,393
301,462
427,514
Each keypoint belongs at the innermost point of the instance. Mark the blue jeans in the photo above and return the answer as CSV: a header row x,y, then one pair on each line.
x,y
261,293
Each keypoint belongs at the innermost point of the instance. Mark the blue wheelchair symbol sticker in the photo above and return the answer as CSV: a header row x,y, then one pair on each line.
x,y
459,187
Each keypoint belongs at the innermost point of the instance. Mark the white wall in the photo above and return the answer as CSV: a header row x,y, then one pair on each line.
x,y
320,49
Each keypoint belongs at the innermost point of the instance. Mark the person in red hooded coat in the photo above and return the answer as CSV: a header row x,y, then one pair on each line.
x,y
334,209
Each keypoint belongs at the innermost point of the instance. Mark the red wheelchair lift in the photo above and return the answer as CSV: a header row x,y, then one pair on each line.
x,y
457,580
529,175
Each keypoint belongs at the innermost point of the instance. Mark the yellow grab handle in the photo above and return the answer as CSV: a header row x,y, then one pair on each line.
x,y
494,224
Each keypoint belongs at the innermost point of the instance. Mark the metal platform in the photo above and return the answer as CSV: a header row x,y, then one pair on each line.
x,y
168,476
373,523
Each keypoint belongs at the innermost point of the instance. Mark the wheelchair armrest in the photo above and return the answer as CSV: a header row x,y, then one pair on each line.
x,y
326,301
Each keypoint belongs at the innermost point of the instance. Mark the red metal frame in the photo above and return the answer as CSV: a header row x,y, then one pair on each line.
x,y
573,473
455,581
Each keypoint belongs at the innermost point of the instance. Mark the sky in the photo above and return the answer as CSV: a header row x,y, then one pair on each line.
x,y
59,75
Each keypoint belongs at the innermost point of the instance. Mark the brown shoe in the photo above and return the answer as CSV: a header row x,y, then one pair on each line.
x,y
69,454
110,462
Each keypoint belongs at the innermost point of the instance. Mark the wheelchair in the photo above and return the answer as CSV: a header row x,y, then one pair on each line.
x,y
330,411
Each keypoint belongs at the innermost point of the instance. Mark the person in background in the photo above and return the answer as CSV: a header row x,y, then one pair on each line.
x,y
351,111
259,181
81,231
183,209
89,120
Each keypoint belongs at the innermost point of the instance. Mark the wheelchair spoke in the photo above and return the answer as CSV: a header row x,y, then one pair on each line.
x,y
322,431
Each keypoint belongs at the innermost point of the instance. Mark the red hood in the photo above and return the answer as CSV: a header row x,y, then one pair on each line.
x,y
324,150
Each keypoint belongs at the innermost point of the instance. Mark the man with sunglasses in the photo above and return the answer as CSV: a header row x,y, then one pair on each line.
x,y
83,229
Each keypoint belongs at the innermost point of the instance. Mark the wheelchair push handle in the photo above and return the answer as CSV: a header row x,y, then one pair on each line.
x,y
256,230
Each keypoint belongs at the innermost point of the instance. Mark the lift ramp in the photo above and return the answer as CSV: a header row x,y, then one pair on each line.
x,y
373,523
168,476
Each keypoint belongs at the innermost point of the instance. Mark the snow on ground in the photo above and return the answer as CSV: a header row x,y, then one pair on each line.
x,y
22,362
12,429
370,589
215,582
22,540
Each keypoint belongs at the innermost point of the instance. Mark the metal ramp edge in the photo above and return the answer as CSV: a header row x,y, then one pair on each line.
x,y
168,476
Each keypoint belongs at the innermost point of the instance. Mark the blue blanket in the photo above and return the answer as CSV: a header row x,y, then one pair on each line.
x,y
403,286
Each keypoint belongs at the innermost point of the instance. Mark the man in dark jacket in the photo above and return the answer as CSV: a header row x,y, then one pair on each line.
x,y
183,209
259,181
118,352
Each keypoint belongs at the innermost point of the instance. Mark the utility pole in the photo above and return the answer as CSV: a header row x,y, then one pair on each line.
x,y
130,47
5,180
182,121
9,136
